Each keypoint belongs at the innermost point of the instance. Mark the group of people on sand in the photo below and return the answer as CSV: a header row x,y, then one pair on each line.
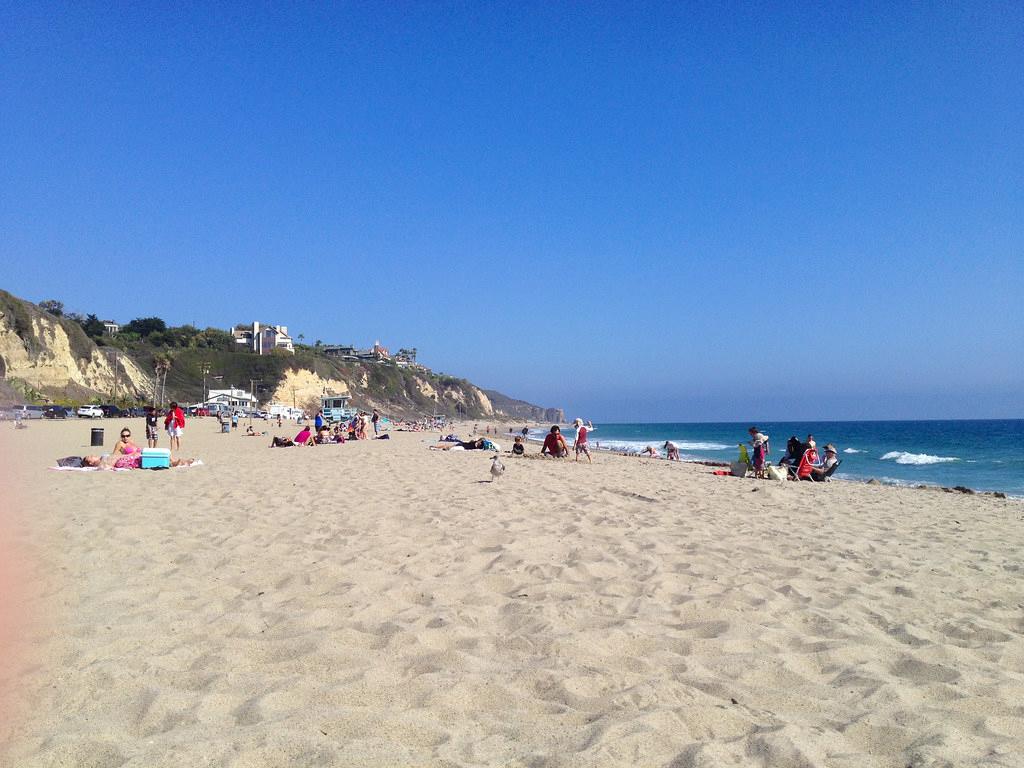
x,y
126,454
556,447
322,433
803,461
671,451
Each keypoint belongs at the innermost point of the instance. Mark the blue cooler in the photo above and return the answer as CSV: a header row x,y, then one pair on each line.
x,y
156,458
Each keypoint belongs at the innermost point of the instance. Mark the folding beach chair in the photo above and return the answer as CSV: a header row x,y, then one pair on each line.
x,y
828,473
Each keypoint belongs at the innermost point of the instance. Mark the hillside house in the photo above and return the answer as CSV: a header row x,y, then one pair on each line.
x,y
262,338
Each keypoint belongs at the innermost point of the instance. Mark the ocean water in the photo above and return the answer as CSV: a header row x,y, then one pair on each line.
x,y
984,455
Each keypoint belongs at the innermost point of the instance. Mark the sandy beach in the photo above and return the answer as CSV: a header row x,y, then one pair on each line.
x,y
379,604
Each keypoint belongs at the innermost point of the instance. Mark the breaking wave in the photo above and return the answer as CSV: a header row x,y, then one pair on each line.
x,y
635,446
903,457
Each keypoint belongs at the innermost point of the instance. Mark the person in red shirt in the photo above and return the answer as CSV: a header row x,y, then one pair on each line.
x,y
554,444
174,423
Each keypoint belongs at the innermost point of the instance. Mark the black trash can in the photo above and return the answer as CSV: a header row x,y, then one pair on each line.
x,y
97,436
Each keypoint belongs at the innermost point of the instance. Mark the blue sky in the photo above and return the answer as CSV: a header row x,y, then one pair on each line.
x,y
659,211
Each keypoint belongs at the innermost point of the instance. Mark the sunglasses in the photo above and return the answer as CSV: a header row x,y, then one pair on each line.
x,y
126,434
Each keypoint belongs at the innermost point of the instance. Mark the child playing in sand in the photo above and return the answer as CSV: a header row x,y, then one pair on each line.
x,y
151,427
518,449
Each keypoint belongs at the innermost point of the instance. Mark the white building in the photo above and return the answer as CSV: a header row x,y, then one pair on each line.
x,y
264,339
230,399
284,411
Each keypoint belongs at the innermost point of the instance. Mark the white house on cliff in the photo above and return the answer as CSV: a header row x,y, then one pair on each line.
x,y
264,339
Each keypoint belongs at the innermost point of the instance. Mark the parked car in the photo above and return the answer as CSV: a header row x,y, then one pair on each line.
x,y
133,412
90,412
112,411
55,412
27,412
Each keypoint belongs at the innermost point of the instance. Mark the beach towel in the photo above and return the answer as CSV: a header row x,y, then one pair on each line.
x,y
196,463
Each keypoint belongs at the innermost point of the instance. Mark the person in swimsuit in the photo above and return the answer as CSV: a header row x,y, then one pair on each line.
x,y
672,450
467,445
518,449
126,454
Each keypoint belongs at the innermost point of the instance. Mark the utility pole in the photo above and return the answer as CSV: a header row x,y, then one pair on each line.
x,y
206,371
114,396
254,385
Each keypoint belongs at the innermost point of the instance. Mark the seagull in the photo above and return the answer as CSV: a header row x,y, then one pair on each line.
x,y
497,469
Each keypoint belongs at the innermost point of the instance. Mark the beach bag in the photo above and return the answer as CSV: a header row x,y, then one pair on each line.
x,y
738,469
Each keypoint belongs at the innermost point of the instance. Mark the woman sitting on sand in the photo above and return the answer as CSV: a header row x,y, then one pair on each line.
x,y
650,452
126,454
305,437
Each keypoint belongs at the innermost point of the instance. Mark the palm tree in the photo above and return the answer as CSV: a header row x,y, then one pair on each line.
x,y
161,365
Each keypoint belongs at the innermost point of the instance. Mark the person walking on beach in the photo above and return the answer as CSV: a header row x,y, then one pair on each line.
x,y
376,422
580,443
174,423
151,426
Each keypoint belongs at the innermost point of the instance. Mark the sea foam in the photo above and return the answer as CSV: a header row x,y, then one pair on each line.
x,y
852,450
903,457
635,446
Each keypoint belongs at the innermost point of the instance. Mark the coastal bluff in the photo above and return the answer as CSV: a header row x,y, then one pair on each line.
x,y
49,358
